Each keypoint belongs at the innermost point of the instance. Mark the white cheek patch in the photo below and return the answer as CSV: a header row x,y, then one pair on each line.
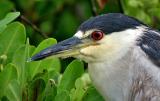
x,y
79,34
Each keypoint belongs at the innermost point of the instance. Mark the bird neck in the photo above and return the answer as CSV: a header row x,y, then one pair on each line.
x,y
115,79
110,78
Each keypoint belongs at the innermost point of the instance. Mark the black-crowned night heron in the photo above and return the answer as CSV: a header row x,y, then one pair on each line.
x,y
122,53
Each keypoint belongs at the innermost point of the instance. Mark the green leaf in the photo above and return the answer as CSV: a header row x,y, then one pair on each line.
x,y
74,70
12,38
46,64
13,91
62,96
9,18
86,80
19,59
50,91
6,76
77,92
44,44
92,95
51,87
5,7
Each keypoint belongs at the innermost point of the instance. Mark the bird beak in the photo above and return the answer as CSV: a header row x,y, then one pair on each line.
x,y
67,48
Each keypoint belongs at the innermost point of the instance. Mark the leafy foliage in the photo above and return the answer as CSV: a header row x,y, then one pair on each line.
x,y
35,81
147,12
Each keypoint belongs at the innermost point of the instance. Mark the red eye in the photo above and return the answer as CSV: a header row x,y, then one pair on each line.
x,y
97,35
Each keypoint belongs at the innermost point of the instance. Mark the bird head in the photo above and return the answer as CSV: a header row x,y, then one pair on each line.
x,y
99,38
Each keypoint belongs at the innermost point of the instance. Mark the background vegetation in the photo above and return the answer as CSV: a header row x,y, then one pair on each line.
x,y
28,26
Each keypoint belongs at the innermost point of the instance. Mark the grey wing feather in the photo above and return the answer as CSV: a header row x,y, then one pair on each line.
x,y
150,44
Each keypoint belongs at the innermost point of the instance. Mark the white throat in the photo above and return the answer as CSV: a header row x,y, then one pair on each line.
x,y
115,80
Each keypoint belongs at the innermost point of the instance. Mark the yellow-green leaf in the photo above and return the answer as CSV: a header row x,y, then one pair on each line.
x,y
11,39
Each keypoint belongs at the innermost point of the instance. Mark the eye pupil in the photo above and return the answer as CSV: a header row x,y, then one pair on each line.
x,y
97,35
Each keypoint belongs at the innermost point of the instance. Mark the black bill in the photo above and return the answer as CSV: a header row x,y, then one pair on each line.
x,y
68,47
